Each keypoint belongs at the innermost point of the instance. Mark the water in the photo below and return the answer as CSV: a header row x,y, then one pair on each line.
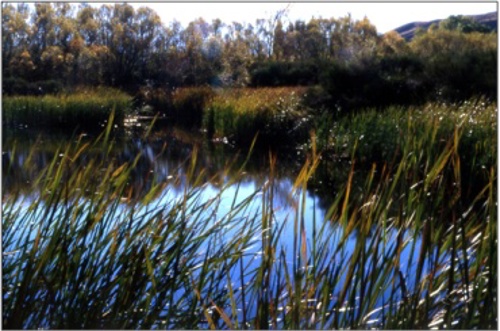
x,y
166,157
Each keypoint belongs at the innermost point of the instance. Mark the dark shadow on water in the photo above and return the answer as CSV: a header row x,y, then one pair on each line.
x,y
165,154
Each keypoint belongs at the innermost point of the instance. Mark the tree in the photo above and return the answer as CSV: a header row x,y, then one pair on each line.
x,y
15,39
148,40
457,64
237,56
314,40
42,36
463,24
22,64
88,24
64,25
279,41
392,43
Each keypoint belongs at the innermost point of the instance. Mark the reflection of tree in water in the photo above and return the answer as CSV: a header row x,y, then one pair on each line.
x,y
166,156
162,158
330,179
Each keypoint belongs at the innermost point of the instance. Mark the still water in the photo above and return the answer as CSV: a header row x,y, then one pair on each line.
x,y
166,157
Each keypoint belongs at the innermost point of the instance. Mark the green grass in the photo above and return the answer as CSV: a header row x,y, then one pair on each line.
x,y
88,108
377,134
275,114
86,254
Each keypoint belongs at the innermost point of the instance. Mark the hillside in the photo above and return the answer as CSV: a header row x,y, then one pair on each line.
x,y
407,31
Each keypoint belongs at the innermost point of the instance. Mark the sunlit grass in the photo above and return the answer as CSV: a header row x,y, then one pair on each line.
x,y
380,133
189,103
239,114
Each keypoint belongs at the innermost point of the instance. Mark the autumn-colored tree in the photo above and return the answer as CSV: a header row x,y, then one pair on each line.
x,y
392,43
88,24
458,64
15,40
129,47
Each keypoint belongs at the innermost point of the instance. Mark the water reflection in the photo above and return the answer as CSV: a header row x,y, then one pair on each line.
x,y
165,156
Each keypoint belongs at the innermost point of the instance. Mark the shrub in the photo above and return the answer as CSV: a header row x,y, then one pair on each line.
x,y
282,73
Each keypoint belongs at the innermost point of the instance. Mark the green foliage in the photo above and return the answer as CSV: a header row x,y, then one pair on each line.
x,y
128,48
380,135
52,48
284,74
464,24
458,65
440,65
19,86
394,80
83,108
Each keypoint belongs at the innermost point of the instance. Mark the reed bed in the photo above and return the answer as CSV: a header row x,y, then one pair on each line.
x,y
380,133
410,251
238,114
83,108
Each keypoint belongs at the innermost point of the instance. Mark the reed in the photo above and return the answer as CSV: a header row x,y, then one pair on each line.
x,y
88,108
426,128
238,114
408,249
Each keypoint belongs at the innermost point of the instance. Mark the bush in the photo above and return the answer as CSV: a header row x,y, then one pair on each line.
x,y
353,86
458,65
392,80
284,74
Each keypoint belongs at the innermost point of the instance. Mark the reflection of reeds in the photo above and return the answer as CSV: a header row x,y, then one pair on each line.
x,y
88,109
409,252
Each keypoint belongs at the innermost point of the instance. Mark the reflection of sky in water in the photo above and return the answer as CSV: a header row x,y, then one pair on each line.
x,y
285,209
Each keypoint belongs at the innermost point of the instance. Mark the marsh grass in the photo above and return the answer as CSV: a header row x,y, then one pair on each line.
x,y
89,108
409,252
240,113
380,136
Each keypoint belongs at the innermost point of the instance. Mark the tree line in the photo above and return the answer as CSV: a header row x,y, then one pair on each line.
x,y
48,46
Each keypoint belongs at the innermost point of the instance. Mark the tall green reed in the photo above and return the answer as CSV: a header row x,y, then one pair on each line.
x,y
84,108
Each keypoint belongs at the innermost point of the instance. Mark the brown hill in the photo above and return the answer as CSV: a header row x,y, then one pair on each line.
x,y
407,31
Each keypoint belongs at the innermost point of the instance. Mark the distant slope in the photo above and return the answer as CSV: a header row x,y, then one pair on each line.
x,y
407,31
489,19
